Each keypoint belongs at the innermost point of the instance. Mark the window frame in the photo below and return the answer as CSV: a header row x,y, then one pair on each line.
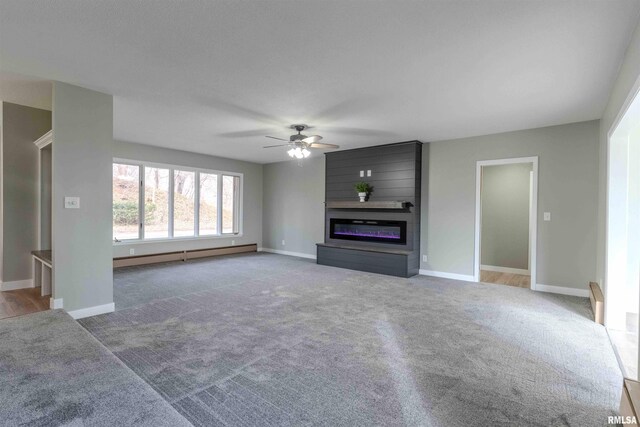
x,y
140,224
238,214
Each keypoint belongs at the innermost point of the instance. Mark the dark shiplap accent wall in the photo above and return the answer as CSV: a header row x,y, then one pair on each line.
x,y
395,176
393,170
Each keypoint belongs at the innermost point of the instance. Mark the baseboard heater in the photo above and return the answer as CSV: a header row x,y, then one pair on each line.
x,y
182,255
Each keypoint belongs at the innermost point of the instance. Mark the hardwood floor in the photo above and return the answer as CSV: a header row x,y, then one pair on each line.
x,y
509,279
22,301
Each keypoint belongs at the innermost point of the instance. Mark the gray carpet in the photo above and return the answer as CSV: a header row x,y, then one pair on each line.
x,y
266,339
52,372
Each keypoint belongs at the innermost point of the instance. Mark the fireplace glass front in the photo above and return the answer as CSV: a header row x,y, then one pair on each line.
x,y
394,232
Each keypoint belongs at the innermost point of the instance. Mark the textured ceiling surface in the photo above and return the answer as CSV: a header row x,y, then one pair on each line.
x,y
216,76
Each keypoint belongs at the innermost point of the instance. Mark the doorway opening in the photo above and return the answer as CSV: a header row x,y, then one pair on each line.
x,y
622,285
506,218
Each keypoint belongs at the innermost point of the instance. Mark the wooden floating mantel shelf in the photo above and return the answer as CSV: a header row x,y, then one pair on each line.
x,y
347,204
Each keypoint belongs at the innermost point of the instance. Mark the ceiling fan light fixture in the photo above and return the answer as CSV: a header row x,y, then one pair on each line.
x,y
300,145
298,153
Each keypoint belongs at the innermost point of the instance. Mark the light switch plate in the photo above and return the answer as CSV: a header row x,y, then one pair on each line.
x,y
72,202
547,216
369,172
361,174
424,258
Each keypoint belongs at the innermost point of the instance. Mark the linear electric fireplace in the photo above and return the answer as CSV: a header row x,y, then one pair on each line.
x,y
382,234
369,230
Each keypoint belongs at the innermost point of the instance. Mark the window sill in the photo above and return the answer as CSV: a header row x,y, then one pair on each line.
x,y
175,239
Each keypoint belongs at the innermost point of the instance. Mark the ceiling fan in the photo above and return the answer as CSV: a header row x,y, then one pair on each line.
x,y
300,144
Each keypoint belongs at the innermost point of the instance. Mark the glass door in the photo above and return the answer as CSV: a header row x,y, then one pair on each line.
x,y
623,240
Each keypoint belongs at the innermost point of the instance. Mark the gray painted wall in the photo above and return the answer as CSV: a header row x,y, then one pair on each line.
x,y
294,205
22,126
568,177
625,87
505,215
81,159
251,201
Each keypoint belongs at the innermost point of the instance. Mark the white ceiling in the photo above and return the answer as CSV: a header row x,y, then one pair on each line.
x,y
215,76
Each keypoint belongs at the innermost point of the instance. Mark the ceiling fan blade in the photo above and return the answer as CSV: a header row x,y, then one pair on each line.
x,y
246,133
240,111
279,145
359,131
312,139
323,145
279,139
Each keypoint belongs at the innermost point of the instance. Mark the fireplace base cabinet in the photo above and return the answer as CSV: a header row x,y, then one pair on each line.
x,y
392,263
382,234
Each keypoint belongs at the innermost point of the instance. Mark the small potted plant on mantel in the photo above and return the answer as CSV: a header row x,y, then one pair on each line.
x,y
363,189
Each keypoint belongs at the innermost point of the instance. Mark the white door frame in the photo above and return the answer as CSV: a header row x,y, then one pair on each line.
x,y
42,142
533,214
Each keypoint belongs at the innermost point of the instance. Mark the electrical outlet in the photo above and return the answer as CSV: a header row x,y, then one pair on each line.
x,y
132,251
233,242
282,242
369,172
547,216
424,258
361,174
72,202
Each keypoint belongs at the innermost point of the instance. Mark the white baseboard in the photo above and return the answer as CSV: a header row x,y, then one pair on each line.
x,y
562,290
279,252
504,269
445,275
538,287
55,303
16,284
92,311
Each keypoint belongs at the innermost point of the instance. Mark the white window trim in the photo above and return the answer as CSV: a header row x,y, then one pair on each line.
x,y
142,240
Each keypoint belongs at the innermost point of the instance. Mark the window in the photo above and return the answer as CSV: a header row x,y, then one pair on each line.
x,y
184,209
208,204
230,186
126,201
156,202
153,201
